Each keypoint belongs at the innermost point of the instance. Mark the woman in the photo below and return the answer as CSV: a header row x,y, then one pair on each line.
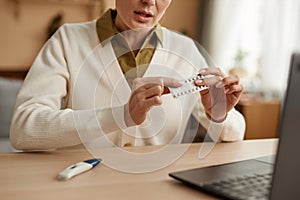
x,y
127,103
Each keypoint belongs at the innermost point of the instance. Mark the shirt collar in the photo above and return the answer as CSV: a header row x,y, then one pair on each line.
x,y
106,27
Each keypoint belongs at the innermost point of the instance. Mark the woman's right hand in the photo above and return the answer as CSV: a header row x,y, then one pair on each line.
x,y
146,93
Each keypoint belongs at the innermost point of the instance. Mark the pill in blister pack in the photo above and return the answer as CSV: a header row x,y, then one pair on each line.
x,y
188,87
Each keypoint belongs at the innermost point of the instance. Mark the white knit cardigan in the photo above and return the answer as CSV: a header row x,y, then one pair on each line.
x,y
73,67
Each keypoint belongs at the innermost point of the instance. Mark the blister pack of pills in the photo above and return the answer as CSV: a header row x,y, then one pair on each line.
x,y
188,87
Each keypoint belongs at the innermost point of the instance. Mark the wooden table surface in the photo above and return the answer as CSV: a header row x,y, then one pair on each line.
x,y
32,175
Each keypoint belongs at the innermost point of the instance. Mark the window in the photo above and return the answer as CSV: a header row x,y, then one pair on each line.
x,y
258,36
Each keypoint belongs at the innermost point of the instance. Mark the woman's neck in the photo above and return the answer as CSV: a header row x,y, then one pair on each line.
x,y
134,37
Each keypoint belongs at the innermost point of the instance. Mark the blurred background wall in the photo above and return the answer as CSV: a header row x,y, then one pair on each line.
x,y
24,23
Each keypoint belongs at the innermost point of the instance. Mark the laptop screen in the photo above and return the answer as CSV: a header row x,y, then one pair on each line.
x,y
287,175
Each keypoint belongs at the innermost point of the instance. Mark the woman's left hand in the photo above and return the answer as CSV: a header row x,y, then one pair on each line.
x,y
223,94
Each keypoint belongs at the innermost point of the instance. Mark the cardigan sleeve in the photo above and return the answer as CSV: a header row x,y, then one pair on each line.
x,y
39,121
231,129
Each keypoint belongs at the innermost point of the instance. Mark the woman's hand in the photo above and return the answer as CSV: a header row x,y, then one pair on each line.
x,y
146,93
223,94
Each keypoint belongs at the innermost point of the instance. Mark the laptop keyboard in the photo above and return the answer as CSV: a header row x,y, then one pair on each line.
x,y
254,186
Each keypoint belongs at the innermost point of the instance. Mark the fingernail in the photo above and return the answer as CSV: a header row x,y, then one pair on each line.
x,y
199,81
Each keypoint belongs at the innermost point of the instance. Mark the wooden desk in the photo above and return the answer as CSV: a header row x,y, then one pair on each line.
x,y
262,118
32,175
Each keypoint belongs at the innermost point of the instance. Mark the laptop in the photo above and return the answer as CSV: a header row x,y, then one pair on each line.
x,y
272,177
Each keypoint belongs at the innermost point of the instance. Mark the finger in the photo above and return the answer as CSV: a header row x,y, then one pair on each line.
x,y
147,87
143,93
234,89
204,92
140,82
210,81
171,82
166,81
152,85
216,71
146,104
199,82
155,90
230,80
